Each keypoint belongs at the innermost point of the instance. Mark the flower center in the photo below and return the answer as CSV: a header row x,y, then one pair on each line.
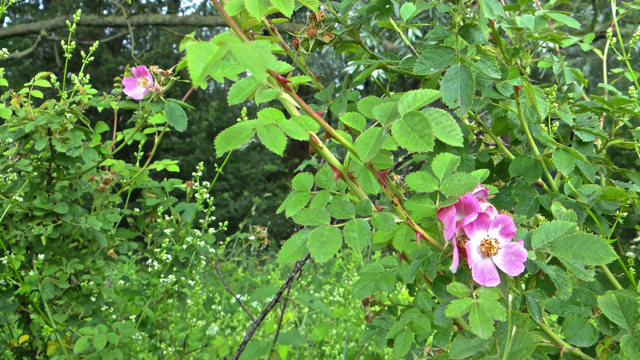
x,y
144,82
489,246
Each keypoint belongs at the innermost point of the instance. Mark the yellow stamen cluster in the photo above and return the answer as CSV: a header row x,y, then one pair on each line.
x,y
489,246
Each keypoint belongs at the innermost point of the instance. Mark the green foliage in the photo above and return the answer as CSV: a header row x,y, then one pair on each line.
x,y
396,138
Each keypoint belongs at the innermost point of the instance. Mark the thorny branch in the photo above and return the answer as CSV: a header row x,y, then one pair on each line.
x,y
247,337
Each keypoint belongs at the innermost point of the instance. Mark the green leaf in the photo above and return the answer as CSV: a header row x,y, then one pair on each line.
x,y
357,234
459,307
480,323
422,181
342,209
407,10
324,242
176,116
354,120
493,308
621,308
463,348
312,217
560,213
313,5
368,283
314,303
255,56
255,350
416,99
414,132
559,277
257,8
233,7
533,307
488,293
411,272
302,182
434,60
294,202
285,6
241,90
101,127
526,166
444,164
293,129
445,127
548,233
458,88
472,34
579,332
295,248
458,184
370,142
492,7
522,344
366,105
630,346
81,344
564,161
100,341
61,208
235,136
567,20
272,138
583,248
202,58
403,343
386,113
458,289
383,222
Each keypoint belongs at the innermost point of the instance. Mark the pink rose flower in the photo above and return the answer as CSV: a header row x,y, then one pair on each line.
x,y
481,192
490,245
455,217
138,87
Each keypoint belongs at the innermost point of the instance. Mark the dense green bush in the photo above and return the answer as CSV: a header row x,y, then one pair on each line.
x,y
405,212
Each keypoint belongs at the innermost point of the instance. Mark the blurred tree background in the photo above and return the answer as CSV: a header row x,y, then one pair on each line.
x,y
255,182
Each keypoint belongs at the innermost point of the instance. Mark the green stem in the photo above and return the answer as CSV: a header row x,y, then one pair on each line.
x,y
611,277
510,332
624,53
532,143
404,39
556,339
493,136
463,324
46,307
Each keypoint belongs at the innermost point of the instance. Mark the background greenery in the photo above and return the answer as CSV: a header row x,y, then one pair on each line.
x,y
254,182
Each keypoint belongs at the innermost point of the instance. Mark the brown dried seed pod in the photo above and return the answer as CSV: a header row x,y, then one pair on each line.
x,y
106,181
112,172
296,43
102,188
92,177
327,37
320,15
189,183
312,31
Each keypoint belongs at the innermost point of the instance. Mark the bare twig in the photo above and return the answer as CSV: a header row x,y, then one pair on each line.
x,y
247,337
22,53
217,267
117,21
284,308
109,38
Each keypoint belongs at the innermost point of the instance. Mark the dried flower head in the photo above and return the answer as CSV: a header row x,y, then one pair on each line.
x,y
312,31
